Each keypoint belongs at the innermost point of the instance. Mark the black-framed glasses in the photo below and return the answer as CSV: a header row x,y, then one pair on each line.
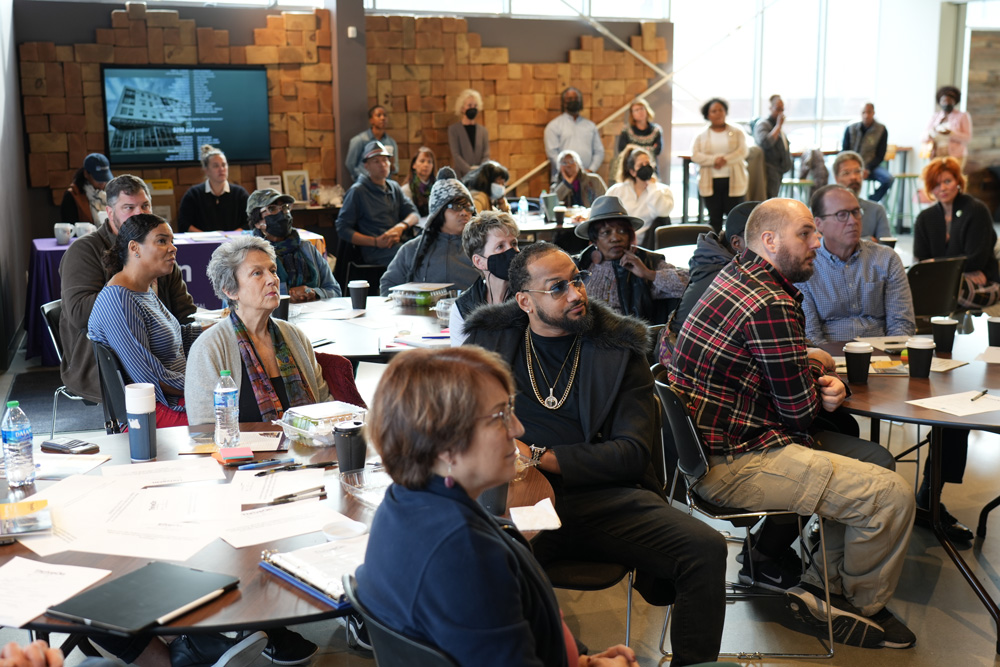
x,y
844,215
560,288
462,205
506,416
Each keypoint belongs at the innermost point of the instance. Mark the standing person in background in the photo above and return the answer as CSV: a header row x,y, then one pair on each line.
x,y
468,140
85,200
640,130
870,139
639,191
770,136
488,183
949,130
417,188
574,186
721,151
217,204
571,131
378,120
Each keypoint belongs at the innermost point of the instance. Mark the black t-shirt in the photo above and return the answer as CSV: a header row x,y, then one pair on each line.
x,y
249,410
544,427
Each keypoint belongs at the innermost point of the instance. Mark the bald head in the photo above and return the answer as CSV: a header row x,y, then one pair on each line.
x,y
783,232
771,217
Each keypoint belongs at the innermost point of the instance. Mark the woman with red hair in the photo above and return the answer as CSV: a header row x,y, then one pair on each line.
x,y
958,225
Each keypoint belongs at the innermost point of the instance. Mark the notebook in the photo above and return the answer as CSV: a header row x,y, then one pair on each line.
x,y
152,595
318,570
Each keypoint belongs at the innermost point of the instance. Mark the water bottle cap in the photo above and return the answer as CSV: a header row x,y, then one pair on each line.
x,y
12,404
225,374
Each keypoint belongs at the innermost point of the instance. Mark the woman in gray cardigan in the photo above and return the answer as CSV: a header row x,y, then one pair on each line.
x,y
272,361
468,140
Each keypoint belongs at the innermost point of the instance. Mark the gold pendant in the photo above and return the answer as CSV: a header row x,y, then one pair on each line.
x,y
551,402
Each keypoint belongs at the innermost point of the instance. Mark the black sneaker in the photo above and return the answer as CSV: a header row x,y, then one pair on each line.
x,y
768,574
199,650
850,627
285,647
357,633
897,635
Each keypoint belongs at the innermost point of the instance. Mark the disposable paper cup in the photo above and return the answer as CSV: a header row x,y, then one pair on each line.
x,y
919,352
560,214
351,446
944,333
888,240
859,358
359,293
993,324
140,408
281,312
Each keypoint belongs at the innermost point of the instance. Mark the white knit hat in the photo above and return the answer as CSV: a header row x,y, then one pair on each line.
x,y
446,189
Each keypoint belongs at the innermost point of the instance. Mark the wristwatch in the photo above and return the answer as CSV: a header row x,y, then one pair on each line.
x,y
536,453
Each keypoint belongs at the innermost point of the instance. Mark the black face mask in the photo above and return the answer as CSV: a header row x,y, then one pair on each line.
x,y
644,173
471,113
499,264
278,225
574,106
948,108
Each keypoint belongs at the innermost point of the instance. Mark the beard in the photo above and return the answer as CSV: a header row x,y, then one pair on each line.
x,y
579,325
795,271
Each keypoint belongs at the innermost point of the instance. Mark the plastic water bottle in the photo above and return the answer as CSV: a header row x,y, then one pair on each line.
x,y
522,210
227,411
17,454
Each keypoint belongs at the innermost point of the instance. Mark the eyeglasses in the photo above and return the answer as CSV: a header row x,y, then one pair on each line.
x,y
844,215
506,416
560,288
277,208
464,205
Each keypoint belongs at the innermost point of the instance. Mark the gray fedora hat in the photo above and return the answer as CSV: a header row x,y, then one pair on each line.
x,y
607,207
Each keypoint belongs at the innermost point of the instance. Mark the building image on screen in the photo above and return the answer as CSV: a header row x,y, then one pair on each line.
x,y
158,115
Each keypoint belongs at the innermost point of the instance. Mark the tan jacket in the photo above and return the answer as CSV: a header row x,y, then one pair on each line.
x,y
735,160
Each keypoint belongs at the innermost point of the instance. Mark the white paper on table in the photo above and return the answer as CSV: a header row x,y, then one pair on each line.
x,y
278,522
540,516
176,505
59,466
961,404
879,342
991,355
202,237
158,473
253,489
175,542
261,441
375,323
340,314
321,306
28,587
939,365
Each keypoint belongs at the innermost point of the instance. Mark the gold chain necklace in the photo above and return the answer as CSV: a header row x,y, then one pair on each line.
x,y
550,401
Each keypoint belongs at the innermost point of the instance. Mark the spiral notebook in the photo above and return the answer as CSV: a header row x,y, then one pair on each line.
x,y
318,570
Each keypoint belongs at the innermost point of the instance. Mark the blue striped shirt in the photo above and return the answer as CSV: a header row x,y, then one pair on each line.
x,y
150,343
868,295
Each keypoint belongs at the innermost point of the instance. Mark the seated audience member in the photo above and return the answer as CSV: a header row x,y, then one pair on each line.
x,y
301,266
358,146
630,279
128,317
959,225
271,360
845,263
418,184
215,204
571,131
490,241
376,214
85,199
870,140
590,428
574,186
849,172
83,276
468,140
436,256
642,195
720,151
439,568
754,389
487,183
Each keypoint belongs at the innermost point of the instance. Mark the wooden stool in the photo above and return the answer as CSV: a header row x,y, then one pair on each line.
x,y
908,184
795,188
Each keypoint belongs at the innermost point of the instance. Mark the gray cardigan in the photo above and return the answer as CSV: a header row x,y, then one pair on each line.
x,y
217,349
465,156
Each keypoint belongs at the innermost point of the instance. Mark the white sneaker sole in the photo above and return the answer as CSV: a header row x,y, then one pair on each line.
x,y
848,628
244,653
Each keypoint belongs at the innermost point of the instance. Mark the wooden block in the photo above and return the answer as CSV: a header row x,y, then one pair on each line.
x,y
189,32
94,53
296,154
38,123
92,88
281,104
324,98
293,37
296,130
93,107
54,105
206,45
48,142
648,36
318,121
581,57
383,93
131,55
376,23
320,72
291,54
309,105
67,123
105,36
38,171
328,162
406,88
122,37
544,71
509,87
299,21
119,18
409,56
277,122
635,41
180,55
268,37
429,103
77,149
171,36
276,22
221,55
323,38
475,40
137,33
237,55
190,174
162,18
634,87
318,138
322,19
288,87
429,24
95,142
28,51
451,25
64,53
154,45
262,55
461,49
74,105
409,32
491,56
136,10
494,72
279,139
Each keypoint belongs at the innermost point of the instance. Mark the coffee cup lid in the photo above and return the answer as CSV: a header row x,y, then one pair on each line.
x,y
857,346
887,238
357,283
993,319
920,343
943,320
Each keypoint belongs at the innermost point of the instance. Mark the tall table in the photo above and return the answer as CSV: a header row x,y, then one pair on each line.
x,y
885,398
262,600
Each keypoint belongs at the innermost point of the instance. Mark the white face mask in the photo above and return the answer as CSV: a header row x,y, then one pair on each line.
x,y
496,191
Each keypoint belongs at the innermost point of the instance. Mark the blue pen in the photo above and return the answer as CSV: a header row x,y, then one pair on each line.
x,y
258,465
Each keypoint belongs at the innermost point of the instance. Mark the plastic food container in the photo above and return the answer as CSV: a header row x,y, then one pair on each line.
x,y
443,309
419,294
313,424
367,485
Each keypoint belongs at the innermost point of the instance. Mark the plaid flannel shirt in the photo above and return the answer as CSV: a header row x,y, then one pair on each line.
x,y
741,361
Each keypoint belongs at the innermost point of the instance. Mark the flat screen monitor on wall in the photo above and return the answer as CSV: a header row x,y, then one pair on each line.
x,y
158,115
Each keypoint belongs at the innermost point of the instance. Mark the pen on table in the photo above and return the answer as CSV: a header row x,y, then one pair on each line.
x,y
318,492
257,465
290,466
300,466
979,395
303,492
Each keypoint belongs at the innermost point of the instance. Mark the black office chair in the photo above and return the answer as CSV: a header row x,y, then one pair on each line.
x,y
675,235
392,648
588,575
349,266
935,284
113,381
648,239
693,464
51,313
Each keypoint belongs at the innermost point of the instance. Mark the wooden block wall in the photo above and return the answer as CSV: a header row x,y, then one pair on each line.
x,y
983,99
417,67
62,91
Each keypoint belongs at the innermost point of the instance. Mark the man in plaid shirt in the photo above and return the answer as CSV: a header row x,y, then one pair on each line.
x,y
755,389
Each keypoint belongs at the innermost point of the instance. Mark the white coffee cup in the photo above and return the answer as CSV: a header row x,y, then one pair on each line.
x,y
857,346
63,231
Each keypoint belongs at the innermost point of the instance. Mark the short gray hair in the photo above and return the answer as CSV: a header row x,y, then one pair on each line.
x,y
227,259
475,233
571,153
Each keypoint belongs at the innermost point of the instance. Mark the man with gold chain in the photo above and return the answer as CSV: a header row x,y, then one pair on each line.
x,y
585,398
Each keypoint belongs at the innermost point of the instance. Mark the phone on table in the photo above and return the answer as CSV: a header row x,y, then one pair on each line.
x,y
64,445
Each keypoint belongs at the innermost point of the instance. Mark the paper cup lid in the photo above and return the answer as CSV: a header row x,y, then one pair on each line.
x,y
943,320
357,283
993,319
140,398
920,343
857,346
